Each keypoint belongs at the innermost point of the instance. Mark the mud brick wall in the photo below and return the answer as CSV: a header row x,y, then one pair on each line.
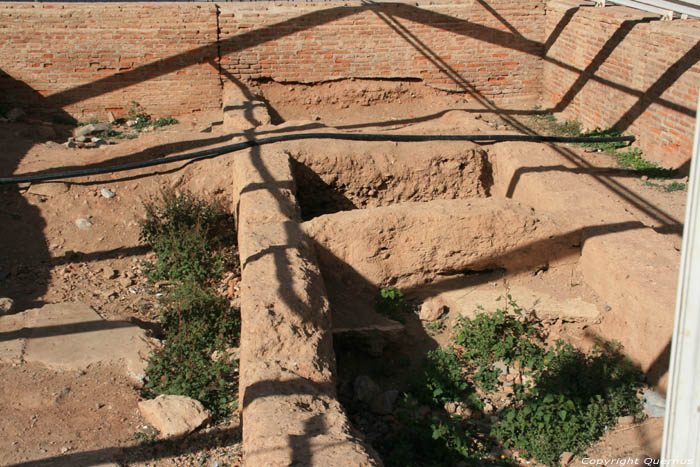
x,y
462,45
92,58
622,68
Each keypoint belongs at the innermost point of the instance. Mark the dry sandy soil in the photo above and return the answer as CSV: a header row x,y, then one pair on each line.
x,y
90,417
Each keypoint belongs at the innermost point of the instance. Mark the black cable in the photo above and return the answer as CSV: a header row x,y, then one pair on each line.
x,y
208,153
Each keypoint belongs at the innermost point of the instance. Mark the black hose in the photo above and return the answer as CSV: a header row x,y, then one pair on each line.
x,y
208,153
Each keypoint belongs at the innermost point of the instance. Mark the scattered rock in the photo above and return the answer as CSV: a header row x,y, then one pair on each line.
x,y
107,193
645,178
70,143
6,305
131,123
565,458
109,273
91,128
365,389
501,365
83,224
15,114
458,408
383,403
110,117
99,142
126,281
654,404
174,415
432,309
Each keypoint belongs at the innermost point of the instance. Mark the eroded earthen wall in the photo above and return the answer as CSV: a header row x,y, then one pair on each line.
x,y
623,68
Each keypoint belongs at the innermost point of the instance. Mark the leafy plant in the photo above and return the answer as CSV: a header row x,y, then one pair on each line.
x,y
575,399
391,303
675,186
506,335
189,237
184,366
139,116
604,133
568,128
165,121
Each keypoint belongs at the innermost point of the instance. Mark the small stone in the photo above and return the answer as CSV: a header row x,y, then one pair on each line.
x,y
501,365
565,458
91,128
174,415
81,139
99,142
65,449
488,408
70,143
365,389
125,281
131,123
110,117
645,178
607,308
109,273
6,305
83,224
107,193
432,309
15,114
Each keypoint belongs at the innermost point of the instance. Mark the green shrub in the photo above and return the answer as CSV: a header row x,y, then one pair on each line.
x,y
184,366
187,236
562,399
506,335
165,121
575,399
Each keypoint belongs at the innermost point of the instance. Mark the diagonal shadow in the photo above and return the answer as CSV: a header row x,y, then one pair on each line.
x,y
654,92
603,54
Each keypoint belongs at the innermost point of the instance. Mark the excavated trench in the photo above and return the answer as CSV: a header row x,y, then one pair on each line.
x,y
324,225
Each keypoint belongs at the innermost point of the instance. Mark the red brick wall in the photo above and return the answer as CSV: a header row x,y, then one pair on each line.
x,y
455,45
89,58
615,67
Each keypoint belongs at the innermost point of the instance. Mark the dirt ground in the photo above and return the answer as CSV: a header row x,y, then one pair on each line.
x,y
90,417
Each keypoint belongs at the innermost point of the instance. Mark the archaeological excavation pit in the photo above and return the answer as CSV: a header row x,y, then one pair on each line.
x,y
584,243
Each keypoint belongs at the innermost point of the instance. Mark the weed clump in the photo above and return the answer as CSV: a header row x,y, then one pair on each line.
x,y
190,238
556,398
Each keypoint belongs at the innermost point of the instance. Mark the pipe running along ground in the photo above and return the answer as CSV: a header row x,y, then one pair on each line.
x,y
221,150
